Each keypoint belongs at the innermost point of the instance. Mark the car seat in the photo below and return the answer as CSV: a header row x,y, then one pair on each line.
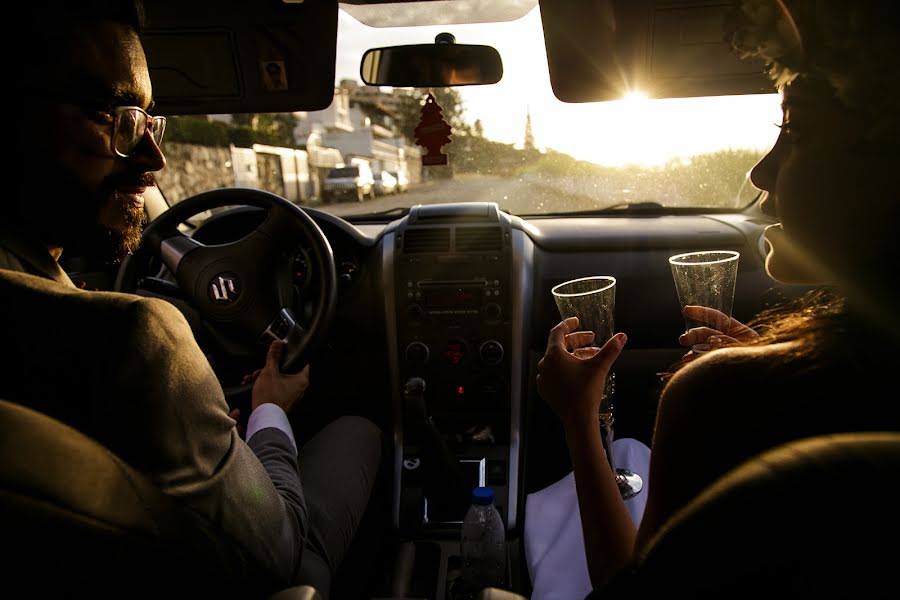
x,y
817,517
77,521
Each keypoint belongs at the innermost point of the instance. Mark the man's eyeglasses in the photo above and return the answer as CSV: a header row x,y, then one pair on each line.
x,y
130,124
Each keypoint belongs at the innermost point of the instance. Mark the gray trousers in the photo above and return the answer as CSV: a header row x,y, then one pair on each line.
x,y
338,467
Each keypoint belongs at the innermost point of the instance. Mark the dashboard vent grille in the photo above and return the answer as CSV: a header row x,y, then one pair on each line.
x,y
478,239
430,239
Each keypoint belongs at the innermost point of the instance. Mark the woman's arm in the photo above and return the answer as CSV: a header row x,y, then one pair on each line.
x,y
609,533
573,387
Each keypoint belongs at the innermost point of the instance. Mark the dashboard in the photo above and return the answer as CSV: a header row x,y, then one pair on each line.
x,y
457,296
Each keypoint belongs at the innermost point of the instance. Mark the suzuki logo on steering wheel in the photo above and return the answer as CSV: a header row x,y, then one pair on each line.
x,y
224,288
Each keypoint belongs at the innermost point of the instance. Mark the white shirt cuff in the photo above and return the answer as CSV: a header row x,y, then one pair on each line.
x,y
270,415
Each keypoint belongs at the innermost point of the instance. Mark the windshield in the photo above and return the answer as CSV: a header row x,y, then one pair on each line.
x,y
344,172
512,143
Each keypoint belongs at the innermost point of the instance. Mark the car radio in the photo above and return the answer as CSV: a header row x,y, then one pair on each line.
x,y
454,298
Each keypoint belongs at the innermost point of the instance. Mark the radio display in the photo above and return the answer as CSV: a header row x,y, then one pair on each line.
x,y
453,298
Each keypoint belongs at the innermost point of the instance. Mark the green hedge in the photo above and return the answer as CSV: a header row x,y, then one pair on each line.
x,y
198,130
193,130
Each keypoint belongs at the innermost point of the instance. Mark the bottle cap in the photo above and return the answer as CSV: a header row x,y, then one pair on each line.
x,y
482,496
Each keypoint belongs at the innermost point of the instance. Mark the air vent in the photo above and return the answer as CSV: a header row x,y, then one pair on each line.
x,y
478,239
431,239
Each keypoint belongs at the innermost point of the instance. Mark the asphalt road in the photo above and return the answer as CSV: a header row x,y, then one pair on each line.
x,y
513,195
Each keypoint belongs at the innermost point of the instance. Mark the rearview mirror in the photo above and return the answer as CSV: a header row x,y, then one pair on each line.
x,y
432,65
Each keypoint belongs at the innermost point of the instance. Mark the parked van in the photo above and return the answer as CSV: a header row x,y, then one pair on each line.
x,y
353,181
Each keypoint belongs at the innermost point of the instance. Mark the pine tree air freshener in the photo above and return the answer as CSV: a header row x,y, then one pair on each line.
x,y
432,132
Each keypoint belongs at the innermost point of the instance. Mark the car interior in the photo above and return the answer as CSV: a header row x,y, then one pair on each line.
x,y
427,311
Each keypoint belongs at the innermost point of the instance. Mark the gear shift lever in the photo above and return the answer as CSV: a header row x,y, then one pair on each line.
x,y
444,483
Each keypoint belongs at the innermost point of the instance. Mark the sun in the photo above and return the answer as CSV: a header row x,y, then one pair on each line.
x,y
635,96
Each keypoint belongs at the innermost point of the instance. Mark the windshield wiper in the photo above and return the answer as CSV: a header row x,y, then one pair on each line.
x,y
646,206
625,208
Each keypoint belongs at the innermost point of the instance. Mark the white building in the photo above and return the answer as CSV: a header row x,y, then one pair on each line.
x,y
358,125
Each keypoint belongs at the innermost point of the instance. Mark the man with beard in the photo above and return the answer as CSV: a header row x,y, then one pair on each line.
x,y
87,147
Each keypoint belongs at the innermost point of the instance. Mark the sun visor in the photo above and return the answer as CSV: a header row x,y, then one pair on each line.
x,y
601,50
234,57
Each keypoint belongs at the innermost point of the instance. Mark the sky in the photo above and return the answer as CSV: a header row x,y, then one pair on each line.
x,y
633,131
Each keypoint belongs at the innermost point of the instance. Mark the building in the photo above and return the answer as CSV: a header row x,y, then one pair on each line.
x,y
360,123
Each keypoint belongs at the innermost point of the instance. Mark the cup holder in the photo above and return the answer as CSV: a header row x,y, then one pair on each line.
x,y
455,589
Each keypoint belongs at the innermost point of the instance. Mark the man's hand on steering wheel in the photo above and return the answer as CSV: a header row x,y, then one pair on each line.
x,y
273,386
242,289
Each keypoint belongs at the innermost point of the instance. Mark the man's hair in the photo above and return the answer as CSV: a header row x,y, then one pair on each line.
x,y
47,26
39,15
44,33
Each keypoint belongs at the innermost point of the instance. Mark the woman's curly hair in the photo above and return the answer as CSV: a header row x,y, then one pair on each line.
x,y
853,45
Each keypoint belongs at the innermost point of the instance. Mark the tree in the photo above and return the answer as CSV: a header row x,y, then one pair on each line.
x,y
197,130
243,131
274,129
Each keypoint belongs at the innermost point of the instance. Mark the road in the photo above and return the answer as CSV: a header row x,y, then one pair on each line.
x,y
513,195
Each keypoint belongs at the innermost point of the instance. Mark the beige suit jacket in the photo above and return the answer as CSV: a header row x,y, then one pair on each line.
x,y
127,371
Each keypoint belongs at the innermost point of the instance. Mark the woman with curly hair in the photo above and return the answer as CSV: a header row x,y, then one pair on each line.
x,y
816,367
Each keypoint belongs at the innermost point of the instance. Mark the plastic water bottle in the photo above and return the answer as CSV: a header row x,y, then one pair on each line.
x,y
483,544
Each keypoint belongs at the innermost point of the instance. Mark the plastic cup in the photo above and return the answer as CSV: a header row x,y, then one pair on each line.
x,y
593,301
706,279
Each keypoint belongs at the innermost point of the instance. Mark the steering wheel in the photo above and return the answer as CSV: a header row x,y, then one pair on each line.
x,y
243,290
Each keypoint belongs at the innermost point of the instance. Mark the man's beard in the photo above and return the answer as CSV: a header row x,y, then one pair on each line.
x,y
113,245
78,224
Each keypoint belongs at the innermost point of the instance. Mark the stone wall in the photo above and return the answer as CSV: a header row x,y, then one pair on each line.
x,y
191,169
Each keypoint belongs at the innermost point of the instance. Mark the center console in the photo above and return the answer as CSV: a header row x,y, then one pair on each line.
x,y
459,280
